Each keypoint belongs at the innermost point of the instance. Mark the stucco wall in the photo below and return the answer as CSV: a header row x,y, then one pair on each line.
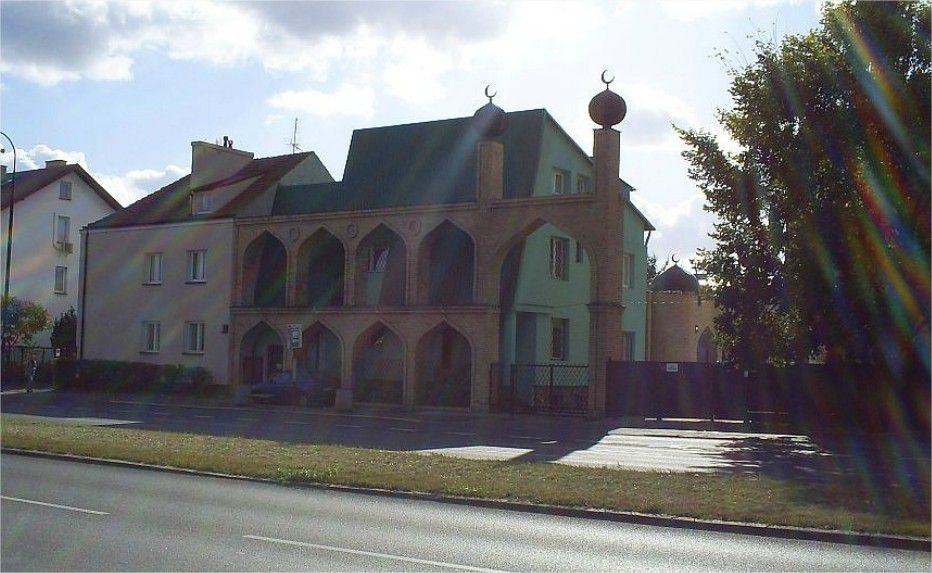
x,y
117,301
678,320
32,273
635,296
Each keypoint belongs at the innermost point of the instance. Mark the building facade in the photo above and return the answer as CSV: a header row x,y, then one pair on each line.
x,y
449,250
681,321
51,205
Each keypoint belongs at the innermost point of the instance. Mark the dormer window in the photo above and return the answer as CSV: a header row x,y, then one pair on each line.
x,y
202,202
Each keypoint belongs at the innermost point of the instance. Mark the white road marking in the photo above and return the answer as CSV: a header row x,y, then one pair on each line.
x,y
298,423
203,417
403,429
161,413
526,437
346,426
55,505
462,433
368,553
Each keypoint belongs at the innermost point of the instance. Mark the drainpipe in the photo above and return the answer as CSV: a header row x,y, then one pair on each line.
x,y
86,240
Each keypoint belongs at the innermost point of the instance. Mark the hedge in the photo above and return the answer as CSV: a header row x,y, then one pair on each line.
x,y
126,377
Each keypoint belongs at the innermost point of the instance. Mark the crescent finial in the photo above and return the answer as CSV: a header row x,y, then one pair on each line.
x,y
490,95
605,81
675,258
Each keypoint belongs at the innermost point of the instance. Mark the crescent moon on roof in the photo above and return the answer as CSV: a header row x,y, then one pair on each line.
x,y
675,259
605,81
490,95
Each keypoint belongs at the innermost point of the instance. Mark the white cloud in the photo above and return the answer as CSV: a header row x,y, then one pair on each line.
x,y
669,215
414,71
35,158
348,100
137,183
691,10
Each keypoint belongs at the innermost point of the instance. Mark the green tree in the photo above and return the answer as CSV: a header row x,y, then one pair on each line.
x,y
22,320
65,333
823,232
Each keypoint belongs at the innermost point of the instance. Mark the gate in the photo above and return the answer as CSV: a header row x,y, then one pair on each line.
x,y
547,389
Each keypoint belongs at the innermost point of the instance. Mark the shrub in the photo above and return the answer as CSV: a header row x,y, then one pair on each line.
x,y
119,377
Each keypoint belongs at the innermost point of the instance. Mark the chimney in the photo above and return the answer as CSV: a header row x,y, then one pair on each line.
x,y
211,162
55,163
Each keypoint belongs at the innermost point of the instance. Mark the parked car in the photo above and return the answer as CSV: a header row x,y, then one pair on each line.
x,y
309,388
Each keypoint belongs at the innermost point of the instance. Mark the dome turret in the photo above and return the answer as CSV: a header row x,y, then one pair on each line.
x,y
490,120
607,108
675,279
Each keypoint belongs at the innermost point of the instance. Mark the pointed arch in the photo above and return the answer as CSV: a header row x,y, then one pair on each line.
x,y
381,268
320,270
379,365
446,266
321,354
444,363
261,354
706,349
265,270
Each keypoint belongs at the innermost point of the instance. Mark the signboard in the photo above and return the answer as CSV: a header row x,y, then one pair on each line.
x,y
673,367
295,336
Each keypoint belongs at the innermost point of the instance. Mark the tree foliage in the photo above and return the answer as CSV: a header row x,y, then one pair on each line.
x,y
22,320
823,231
65,332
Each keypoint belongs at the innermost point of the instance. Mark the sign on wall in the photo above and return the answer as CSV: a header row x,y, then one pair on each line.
x,y
295,336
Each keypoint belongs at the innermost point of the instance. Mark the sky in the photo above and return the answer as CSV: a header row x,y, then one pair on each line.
x,y
123,87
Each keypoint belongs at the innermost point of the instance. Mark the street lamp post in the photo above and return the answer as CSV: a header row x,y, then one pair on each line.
x,y
9,230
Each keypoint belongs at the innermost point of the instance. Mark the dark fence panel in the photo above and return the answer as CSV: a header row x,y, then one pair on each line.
x,y
546,388
808,396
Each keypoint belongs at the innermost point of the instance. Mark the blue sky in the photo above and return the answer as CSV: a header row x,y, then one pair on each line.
x,y
123,88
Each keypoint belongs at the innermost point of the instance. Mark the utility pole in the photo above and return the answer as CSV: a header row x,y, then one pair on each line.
x,y
9,229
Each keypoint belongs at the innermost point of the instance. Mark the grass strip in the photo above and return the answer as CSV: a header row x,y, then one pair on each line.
x,y
745,498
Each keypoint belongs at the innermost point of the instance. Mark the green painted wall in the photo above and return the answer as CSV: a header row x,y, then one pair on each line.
x,y
539,297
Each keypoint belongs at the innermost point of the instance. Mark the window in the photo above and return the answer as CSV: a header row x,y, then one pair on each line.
x,y
582,184
64,190
559,327
560,178
378,259
61,280
194,337
558,248
197,266
62,229
153,269
151,335
202,202
627,345
626,270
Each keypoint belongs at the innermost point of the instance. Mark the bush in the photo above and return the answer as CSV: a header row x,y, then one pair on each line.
x,y
127,377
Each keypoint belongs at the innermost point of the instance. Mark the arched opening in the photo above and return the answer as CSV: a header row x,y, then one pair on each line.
x,y
706,349
545,285
319,273
444,368
446,265
381,269
261,354
378,366
321,354
265,264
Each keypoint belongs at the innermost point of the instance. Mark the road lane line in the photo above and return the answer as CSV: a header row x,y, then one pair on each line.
x,y
403,429
55,505
298,423
161,413
346,426
204,417
462,433
525,437
369,553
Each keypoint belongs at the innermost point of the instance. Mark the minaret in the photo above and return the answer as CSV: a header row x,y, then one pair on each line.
x,y
490,122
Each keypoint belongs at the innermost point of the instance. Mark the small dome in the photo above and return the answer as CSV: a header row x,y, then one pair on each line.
x,y
675,279
607,108
490,120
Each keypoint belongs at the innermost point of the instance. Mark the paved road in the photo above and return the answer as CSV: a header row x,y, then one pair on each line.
x,y
59,515
565,440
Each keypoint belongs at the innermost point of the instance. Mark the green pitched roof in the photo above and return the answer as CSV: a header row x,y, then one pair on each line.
x,y
419,164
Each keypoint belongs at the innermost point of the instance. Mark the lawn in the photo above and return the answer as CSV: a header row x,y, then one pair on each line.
x,y
745,498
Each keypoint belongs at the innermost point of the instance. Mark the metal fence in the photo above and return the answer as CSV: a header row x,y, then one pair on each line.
x,y
546,388
20,354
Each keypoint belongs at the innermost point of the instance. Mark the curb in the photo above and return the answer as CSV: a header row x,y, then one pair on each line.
x,y
760,530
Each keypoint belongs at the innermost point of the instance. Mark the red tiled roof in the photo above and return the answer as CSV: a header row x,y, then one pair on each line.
x,y
28,182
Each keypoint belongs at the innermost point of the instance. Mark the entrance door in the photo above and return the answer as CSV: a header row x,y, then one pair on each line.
x,y
252,370
276,356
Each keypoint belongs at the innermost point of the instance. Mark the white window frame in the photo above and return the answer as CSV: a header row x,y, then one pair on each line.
x,y
203,202
151,337
64,190
378,258
62,229
627,345
564,328
560,177
152,272
626,266
197,273
583,184
62,272
194,337
558,251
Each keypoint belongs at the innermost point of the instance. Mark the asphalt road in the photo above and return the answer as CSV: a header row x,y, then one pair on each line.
x,y
59,515
527,438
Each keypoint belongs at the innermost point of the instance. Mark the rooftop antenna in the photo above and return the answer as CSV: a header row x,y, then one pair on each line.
x,y
294,139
